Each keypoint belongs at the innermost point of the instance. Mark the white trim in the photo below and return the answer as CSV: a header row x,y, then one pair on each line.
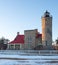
x,y
7,46
14,46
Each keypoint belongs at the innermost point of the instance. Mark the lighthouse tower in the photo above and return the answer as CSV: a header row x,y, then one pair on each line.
x,y
47,29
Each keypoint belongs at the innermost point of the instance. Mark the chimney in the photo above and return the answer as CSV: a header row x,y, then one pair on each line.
x,y
17,33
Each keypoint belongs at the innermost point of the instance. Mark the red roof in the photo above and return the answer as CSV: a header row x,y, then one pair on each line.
x,y
39,35
19,39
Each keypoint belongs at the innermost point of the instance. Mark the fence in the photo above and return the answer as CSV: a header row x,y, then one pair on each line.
x,y
29,52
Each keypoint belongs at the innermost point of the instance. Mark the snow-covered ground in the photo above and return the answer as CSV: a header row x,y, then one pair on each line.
x,y
25,62
28,60
18,59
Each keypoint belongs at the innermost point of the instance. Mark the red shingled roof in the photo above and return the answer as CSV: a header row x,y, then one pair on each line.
x,y
19,39
39,35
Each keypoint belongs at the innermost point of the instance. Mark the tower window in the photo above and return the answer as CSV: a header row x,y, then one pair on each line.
x,y
46,43
49,32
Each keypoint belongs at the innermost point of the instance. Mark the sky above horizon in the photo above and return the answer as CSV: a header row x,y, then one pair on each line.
x,y
19,15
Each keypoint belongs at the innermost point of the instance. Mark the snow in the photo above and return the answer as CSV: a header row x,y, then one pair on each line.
x,y
18,59
29,57
30,60
24,62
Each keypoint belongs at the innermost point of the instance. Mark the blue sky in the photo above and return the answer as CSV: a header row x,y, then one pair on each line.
x,y
19,15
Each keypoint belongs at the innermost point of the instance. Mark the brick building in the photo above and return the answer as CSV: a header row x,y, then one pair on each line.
x,y
32,39
28,41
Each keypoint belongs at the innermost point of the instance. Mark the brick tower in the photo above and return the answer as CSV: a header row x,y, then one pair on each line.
x,y
47,29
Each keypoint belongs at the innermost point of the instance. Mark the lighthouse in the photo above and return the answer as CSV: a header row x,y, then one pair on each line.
x,y
47,29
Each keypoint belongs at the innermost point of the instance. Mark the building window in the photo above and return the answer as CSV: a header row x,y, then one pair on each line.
x,y
46,43
17,47
29,39
11,47
49,32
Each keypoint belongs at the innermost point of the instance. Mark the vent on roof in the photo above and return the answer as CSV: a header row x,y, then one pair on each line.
x,y
17,33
